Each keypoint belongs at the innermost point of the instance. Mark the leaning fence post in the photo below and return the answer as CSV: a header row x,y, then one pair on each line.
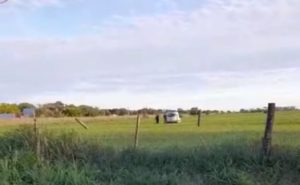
x,y
199,118
267,139
136,135
81,123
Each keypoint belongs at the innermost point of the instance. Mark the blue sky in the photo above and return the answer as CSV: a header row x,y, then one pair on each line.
x,y
220,54
66,18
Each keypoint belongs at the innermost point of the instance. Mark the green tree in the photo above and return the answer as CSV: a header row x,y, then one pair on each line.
x,y
194,111
72,111
88,111
9,108
25,105
52,109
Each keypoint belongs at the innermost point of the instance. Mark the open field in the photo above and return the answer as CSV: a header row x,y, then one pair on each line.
x,y
223,150
229,128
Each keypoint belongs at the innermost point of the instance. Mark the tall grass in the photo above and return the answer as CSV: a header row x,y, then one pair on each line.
x,y
67,158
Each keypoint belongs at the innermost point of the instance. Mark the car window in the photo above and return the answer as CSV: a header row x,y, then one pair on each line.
x,y
171,115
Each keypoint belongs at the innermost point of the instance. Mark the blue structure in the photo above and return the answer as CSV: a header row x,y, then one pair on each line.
x,y
7,116
28,112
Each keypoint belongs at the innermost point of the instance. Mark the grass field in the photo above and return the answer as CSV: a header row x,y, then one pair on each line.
x,y
225,149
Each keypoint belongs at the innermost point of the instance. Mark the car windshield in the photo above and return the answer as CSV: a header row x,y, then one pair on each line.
x,y
171,115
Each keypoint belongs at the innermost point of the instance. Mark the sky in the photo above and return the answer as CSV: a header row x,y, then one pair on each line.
x,y
211,54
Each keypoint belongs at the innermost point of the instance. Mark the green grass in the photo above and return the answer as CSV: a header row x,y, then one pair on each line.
x,y
225,149
118,132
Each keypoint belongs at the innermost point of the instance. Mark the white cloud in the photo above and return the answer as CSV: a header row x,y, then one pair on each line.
x,y
226,54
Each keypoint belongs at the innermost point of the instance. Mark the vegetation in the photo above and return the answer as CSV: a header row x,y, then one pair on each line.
x,y
224,150
59,109
9,108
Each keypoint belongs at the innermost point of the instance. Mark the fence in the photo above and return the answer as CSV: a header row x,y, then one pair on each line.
x,y
266,140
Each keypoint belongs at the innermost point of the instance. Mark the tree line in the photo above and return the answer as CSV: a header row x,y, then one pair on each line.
x,y
59,109
287,108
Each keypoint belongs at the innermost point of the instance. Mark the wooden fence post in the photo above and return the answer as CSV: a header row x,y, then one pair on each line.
x,y
199,118
36,136
267,140
136,135
81,123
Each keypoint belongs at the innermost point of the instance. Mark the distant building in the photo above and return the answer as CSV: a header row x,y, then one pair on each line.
x,y
28,112
7,116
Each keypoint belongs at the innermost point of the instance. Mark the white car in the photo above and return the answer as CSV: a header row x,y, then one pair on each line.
x,y
172,116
